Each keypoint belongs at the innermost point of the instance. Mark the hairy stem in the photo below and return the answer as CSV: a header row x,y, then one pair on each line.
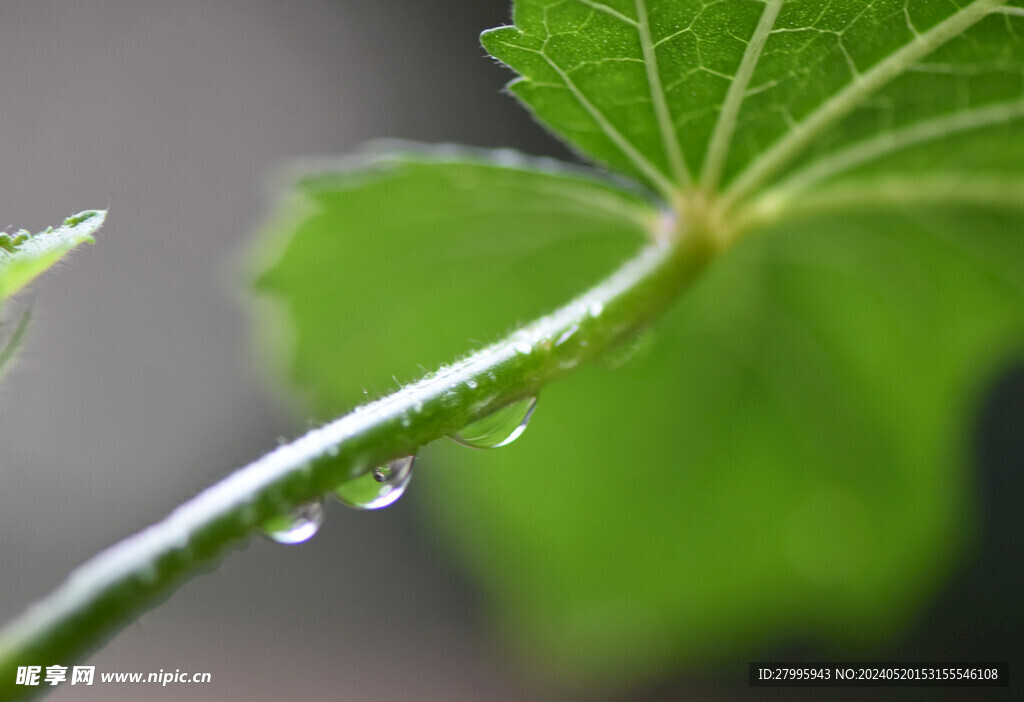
x,y
11,346
116,585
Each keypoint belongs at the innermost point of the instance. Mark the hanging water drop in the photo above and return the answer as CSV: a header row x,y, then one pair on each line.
x,y
498,429
625,351
298,525
567,334
378,488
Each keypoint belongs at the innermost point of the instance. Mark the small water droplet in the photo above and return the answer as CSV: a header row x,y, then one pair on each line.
x,y
471,383
567,334
523,347
378,488
297,526
625,351
498,429
595,308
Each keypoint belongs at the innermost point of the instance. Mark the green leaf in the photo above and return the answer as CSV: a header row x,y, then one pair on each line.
x,y
536,231
24,256
678,91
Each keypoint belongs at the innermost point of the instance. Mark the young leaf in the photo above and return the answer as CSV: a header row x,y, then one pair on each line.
x,y
24,256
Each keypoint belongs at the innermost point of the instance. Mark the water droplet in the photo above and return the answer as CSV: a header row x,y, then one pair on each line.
x,y
297,526
498,429
378,488
567,334
596,308
625,351
523,347
471,383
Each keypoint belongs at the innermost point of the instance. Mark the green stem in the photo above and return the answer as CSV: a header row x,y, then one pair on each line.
x,y
116,585
13,344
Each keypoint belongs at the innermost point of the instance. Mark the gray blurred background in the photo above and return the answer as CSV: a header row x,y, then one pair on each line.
x,y
138,386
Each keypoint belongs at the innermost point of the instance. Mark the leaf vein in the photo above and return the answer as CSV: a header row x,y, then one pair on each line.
x,y
669,139
949,188
611,11
663,185
1012,11
849,98
718,149
888,142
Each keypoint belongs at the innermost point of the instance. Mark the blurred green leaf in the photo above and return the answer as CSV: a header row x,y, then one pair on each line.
x,y
787,459
468,245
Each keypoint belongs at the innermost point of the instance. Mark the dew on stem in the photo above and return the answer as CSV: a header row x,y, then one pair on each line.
x,y
299,525
498,429
625,351
379,488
